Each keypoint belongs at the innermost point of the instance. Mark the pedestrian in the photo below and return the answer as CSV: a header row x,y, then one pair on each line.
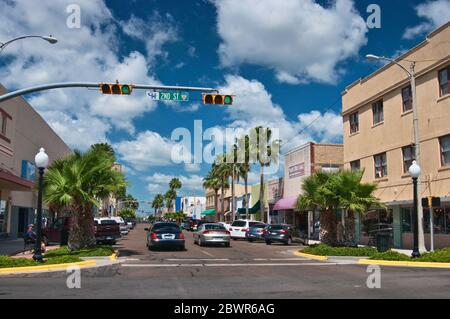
x,y
30,235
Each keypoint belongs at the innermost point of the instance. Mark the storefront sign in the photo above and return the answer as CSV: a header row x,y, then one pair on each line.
x,y
297,170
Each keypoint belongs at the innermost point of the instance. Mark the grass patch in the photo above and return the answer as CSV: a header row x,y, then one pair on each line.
x,y
326,250
8,262
440,256
391,255
99,251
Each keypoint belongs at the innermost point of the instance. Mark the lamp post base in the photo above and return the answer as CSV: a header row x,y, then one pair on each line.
x,y
415,254
38,257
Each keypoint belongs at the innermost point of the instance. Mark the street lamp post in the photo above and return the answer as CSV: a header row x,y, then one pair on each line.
x,y
412,78
41,161
414,171
49,39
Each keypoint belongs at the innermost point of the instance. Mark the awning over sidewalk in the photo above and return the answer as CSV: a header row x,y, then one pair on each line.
x,y
209,212
256,208
285,203
14,183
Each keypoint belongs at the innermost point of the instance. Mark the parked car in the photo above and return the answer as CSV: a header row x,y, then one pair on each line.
x,y
256,232
212,233
279,233
104,232
124,229
131,222
165,234
239,228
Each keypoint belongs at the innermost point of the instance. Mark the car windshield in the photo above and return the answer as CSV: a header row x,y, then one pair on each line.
x,y
276,227
165,226
214,227
108,222
239,223
257,225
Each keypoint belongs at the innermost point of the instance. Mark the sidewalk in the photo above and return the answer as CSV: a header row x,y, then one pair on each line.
x,y
11,246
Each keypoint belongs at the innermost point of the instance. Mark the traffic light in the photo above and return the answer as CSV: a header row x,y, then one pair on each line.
x,y
117,89
217,99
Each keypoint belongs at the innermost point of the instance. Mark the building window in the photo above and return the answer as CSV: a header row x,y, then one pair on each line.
x,y
409,156
407,99
378,114
380,165
3,123
354,123
445,150
444,81
406,220
355,165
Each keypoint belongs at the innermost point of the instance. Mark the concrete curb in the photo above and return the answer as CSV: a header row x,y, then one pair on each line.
x,y
403,263
309,256
80,264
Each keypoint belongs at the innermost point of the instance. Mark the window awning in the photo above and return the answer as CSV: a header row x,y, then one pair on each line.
x,y
286,203
209,212
14,183
256,208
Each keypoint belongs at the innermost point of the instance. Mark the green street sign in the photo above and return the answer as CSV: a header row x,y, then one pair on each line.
x,y
169,96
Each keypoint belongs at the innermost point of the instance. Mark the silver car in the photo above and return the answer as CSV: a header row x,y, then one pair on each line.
x,y
212,233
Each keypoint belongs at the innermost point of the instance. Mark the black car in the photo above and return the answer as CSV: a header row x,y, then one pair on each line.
x,y
165,234
279,233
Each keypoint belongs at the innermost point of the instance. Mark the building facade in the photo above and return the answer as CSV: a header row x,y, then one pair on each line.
x,y
300,163
22,133
379,137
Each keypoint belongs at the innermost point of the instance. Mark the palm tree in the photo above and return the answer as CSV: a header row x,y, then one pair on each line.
x,y
354,197
170,196
224,170
267,152
213,182
243,169
317,194
175,184
158,202
78,182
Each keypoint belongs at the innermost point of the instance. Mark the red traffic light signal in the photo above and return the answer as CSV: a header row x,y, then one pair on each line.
x,y
116,89
219,99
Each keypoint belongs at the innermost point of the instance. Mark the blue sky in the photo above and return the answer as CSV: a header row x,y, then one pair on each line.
x,y
286,61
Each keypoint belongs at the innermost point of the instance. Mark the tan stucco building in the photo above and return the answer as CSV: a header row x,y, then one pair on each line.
x,y
379,136
22,133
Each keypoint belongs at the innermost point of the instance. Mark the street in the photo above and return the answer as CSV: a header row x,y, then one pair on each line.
x,y
245,270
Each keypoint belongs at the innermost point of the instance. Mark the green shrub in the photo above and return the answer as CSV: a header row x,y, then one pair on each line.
x,y
325,250
440,255
93,252
391,255
7,262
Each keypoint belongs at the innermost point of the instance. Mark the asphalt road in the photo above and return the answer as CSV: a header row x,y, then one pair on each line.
x,y
245,270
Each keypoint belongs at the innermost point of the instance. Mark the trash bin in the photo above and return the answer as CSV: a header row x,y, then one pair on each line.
x,y
383,241
64,237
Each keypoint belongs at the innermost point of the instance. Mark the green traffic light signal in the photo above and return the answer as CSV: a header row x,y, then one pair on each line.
x,y
228,100
126,89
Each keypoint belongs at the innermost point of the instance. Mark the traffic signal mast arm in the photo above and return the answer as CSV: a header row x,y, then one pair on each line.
x,y
52,86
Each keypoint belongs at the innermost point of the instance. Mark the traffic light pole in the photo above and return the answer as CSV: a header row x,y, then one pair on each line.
x,y
62,85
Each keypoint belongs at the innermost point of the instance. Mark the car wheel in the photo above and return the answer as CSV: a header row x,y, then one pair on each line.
x,y
268,242
227,244
200,242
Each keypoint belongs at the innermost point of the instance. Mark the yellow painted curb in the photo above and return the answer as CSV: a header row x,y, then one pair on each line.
x,y
113,257
316,257
47,267
403,263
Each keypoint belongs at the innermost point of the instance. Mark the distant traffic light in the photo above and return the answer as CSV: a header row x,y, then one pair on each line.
x,y
219,99
117,89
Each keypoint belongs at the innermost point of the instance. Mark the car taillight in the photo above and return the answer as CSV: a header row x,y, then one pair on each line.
x,y
181,236
245,229
284,232
153,236
227,232
206,232
260,231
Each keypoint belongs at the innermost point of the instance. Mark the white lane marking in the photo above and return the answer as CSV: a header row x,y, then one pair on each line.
x,y
229,265
206,253
132,259
200,259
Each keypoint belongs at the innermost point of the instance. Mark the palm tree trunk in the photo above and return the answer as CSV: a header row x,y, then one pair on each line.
x,y
216,204
82,234
261,194
246,195
222,195
328,227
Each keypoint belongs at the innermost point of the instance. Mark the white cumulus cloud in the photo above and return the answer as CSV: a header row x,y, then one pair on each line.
x,y
434,14
300,40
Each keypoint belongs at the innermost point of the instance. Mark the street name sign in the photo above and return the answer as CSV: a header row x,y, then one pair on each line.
x,y
169,96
